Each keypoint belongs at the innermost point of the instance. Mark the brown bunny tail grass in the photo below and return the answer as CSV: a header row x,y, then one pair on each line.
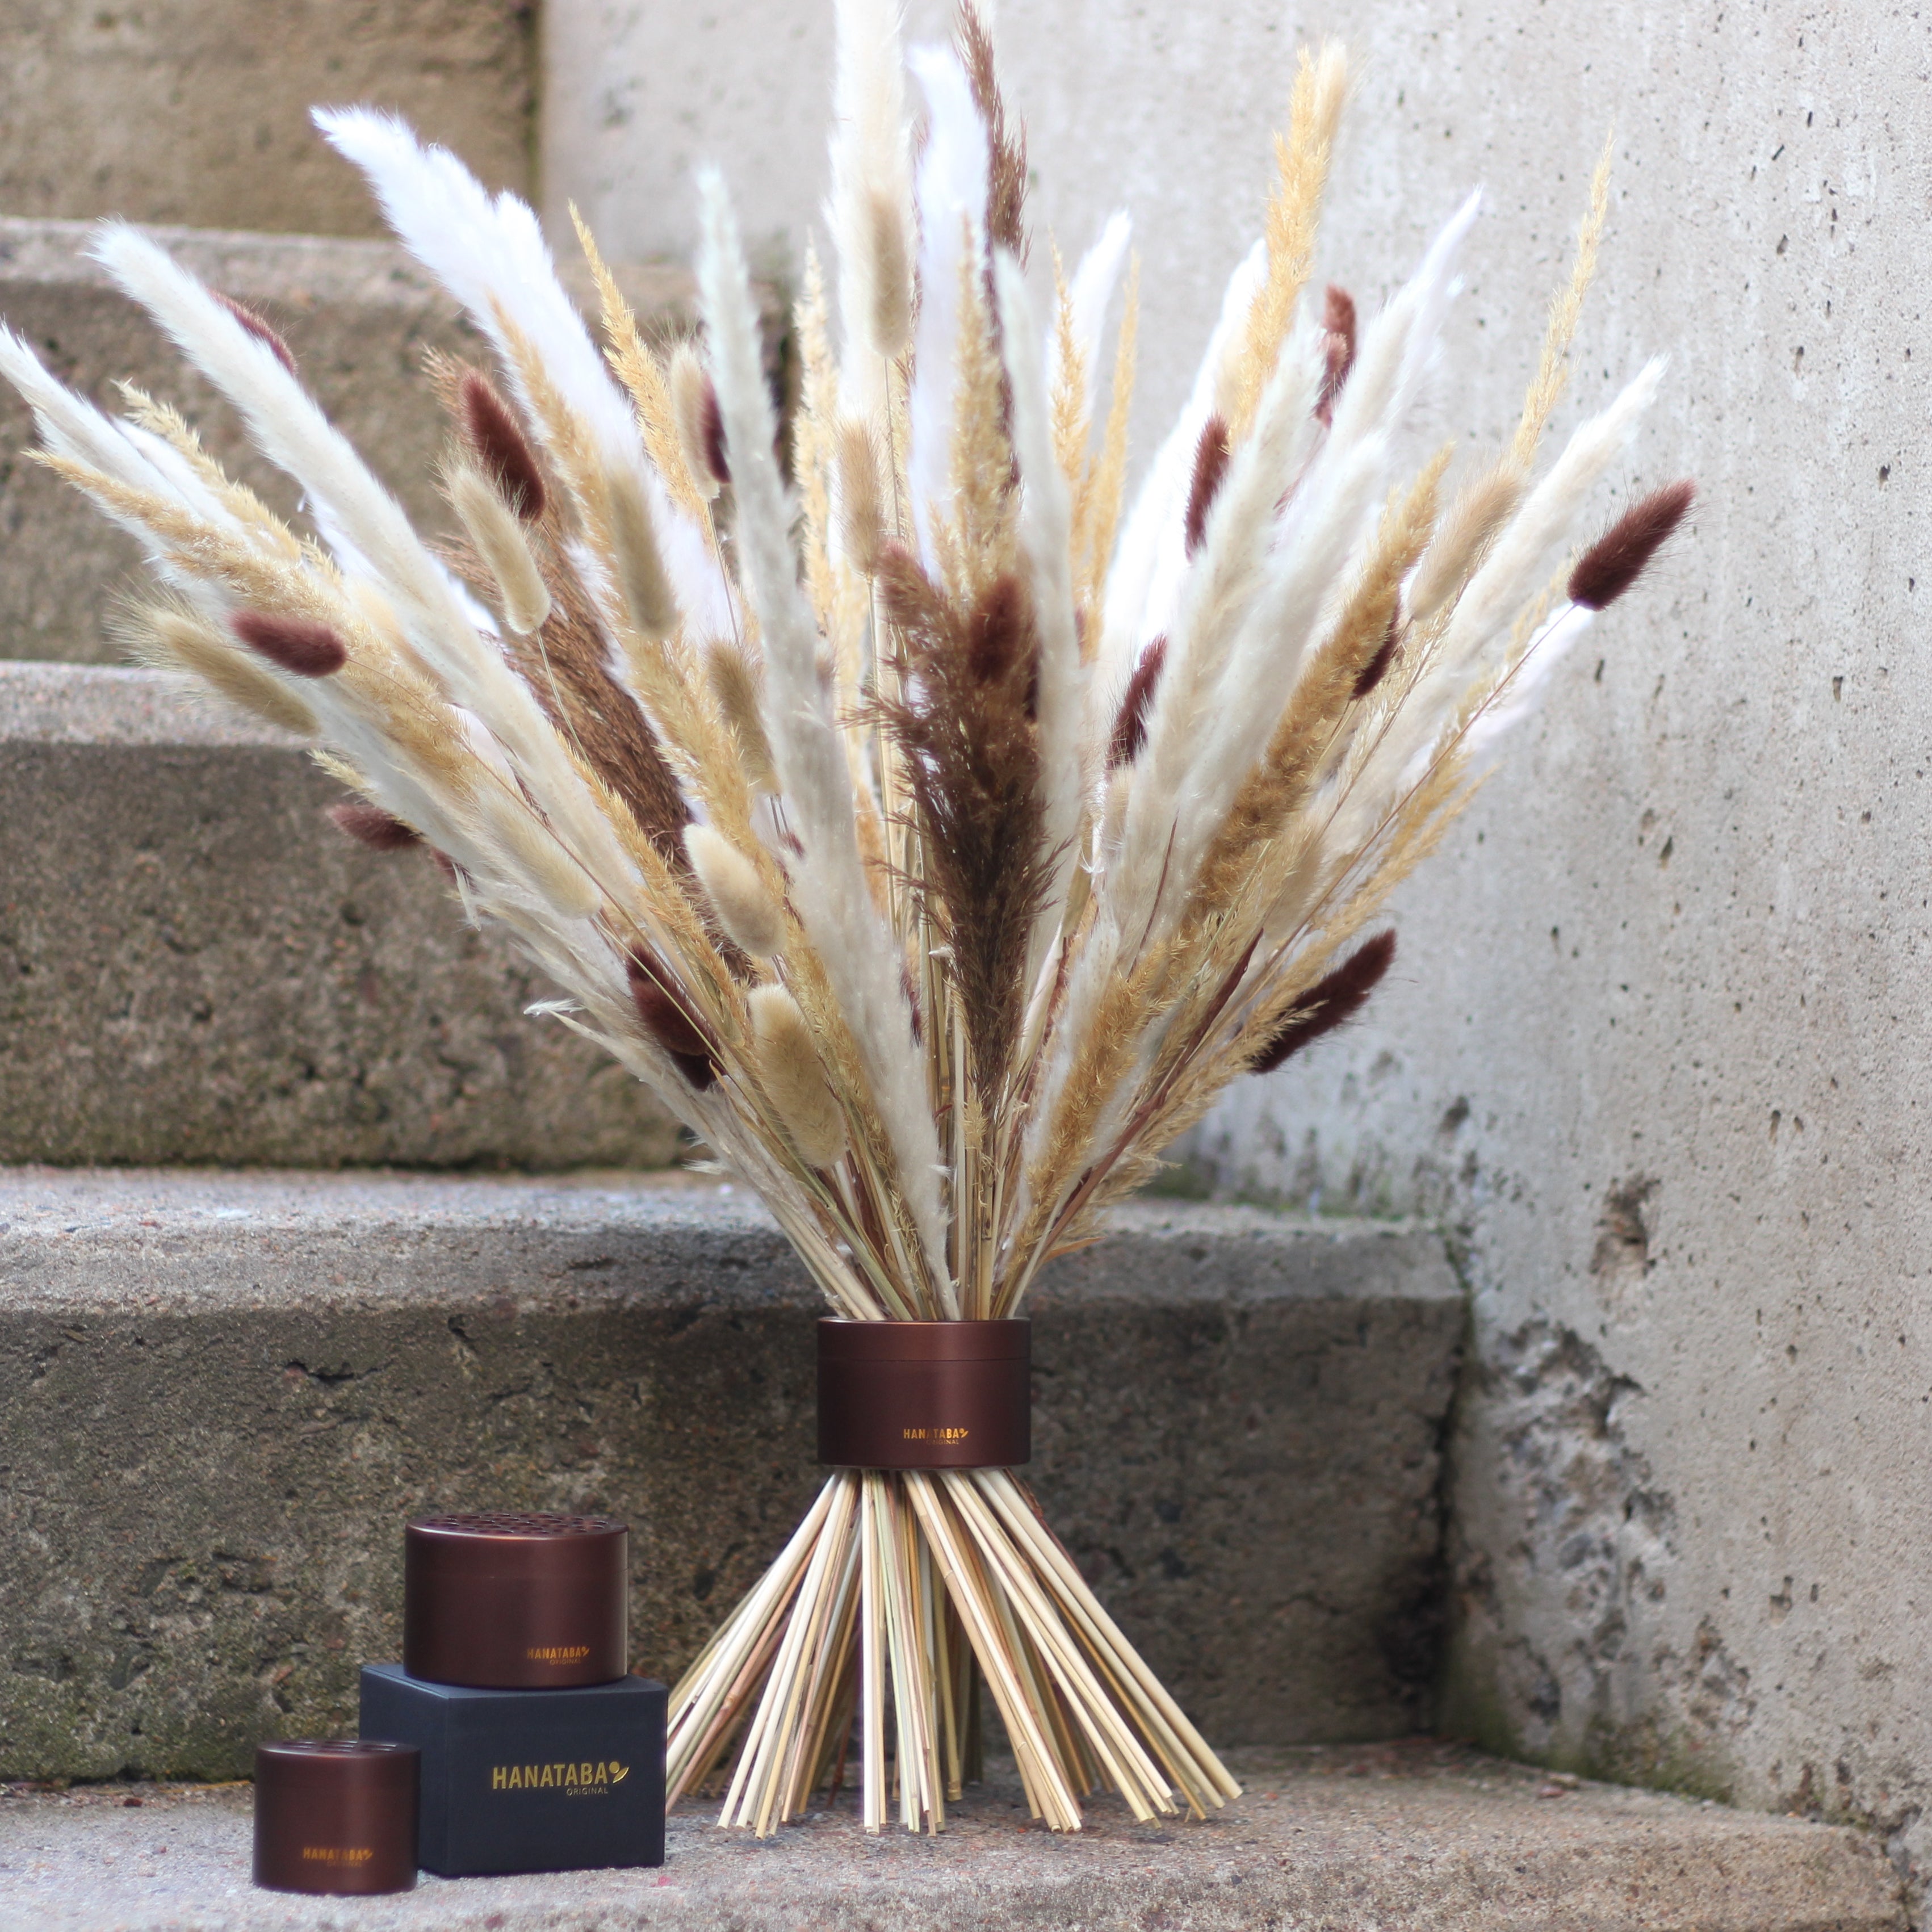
x,y
299,646
1336,997
1211,456
667,1022
1130,727
501,447
1619,556
259,329
370,825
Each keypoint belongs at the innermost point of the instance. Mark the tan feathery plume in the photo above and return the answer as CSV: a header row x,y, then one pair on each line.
x,y
1302,157
643,375
1552,371
171,637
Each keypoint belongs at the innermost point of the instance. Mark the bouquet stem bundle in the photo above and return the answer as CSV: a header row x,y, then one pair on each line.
x,y
936,834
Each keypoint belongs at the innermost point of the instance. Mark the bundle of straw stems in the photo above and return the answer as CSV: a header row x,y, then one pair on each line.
x,y
936,834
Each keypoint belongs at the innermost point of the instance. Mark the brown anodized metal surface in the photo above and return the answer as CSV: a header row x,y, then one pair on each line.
x,y
336,1816
512,1600
924,1395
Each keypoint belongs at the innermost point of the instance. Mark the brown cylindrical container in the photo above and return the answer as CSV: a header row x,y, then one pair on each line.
x,y
506,1600
924,1395
336,1815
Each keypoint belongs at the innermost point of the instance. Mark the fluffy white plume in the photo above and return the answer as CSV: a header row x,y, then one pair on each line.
x,y
489,252
835,906
951,228
870,211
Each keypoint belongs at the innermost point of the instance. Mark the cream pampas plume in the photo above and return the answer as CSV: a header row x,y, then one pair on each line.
x,y
789,1066
745,909
493,526
936,858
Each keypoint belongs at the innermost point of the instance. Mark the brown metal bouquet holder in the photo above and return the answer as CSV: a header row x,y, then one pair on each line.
x,y
924,1395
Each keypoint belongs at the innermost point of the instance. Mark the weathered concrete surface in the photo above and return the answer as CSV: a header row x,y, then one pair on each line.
x,y
196,111
1660,1039
223,1400
359,316
195,966
1415,1838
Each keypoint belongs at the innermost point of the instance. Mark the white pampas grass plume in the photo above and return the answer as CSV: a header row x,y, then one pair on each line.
x,y
1088,294
737,894
952,222
859,952
1045,530
700,430
870,208
793,1078
493,527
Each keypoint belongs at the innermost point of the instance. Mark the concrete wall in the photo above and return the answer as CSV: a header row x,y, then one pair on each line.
x,y
1658,1040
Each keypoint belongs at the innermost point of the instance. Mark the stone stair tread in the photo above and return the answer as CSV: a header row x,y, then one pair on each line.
x,y
83,1237
359,315
226,1392
195,965
1416,1835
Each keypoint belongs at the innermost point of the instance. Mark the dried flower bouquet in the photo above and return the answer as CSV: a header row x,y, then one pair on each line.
x,y
936,843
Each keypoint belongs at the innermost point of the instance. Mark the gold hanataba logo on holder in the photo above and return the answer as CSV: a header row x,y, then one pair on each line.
x,y
574,1780
339,1855
935,1435
570,1653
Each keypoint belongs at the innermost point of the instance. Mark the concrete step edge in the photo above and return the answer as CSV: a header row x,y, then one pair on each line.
x,y
1411,1838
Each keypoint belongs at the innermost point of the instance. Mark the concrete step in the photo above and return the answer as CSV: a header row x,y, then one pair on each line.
x,y
1419,1838
359,316
224,1398
196,111
195,966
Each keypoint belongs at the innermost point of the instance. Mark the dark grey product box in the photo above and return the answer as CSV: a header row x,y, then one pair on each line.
x,y
528,1780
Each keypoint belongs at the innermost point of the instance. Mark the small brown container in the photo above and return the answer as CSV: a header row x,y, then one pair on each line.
x,y
505,1600
924,1395
336,1816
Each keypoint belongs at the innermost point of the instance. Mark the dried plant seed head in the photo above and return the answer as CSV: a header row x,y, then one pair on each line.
x,y
862,520
299,646
665,1018
170,638
1336,997
794,1077
1000,631
734,683
1211,456
700,424
1463,539
260,329
1130,727
746,911
641,576
1619,556
1373,673
1338,331
493,527
492,431
370,825
890,320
